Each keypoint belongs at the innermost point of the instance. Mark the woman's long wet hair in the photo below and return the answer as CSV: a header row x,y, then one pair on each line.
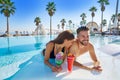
x,y
68,35
65,35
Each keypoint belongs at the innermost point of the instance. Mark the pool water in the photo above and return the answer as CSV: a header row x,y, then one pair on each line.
x,y
10,48
16,50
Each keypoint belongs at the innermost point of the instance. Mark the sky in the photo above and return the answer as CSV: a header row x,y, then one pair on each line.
x,y
27,10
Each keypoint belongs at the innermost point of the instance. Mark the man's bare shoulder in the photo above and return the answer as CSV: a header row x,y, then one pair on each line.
x,y
75,43
74,47
91,45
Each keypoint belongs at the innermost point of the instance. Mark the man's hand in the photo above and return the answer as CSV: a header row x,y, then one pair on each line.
x,y
97,63
98,68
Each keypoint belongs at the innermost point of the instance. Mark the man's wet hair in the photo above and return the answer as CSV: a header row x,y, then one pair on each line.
x,y
82,28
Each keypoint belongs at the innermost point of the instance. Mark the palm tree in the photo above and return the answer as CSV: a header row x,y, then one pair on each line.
x,y
118,17
63,23
83,16
37,21
58,26
116,14
7,8
113,18
73,25
93,9
51,10
82,23
104,22
103,3
70,22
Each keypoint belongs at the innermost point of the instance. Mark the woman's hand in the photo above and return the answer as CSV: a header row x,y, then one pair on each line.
x,y
59,68
54,69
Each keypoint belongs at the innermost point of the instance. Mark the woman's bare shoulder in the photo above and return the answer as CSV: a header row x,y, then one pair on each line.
x,y
50,44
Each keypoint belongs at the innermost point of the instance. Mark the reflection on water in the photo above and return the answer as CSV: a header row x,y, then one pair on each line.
x,y
13,45
19,49
99,41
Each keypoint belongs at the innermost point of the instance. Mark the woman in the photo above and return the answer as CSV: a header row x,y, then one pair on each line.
x,y
61,43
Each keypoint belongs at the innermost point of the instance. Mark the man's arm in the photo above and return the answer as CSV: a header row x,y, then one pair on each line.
x,y
74,50
93,55
81,66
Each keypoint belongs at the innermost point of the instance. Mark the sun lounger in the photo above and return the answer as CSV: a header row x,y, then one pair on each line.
x,y
111,49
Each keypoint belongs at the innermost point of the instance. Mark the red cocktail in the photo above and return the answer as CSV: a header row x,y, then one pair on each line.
x,y
70,60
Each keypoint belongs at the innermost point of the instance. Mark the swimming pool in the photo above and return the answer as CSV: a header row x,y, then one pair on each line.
x,y
17,50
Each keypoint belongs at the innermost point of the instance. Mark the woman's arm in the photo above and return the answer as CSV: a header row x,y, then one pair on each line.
x,y
49,48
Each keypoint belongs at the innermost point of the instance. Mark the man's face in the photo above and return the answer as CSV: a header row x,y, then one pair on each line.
x,y
83,38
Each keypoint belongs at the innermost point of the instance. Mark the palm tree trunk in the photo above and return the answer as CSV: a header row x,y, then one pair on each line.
x,y
7,26
63,26
50,25
101,21
116,13
92,21
37,29
117,7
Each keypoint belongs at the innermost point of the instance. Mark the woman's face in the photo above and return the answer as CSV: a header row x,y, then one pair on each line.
x,y
68,43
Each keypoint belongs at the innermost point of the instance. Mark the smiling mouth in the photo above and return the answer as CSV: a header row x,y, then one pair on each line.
x,y
85,41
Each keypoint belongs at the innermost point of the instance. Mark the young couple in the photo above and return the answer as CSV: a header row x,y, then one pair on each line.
x,y
66,42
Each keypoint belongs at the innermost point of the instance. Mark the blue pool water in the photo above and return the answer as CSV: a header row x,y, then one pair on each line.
x,y
13,46
17,50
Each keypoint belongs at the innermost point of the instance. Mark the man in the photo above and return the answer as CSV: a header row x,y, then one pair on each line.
x,y
82,45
